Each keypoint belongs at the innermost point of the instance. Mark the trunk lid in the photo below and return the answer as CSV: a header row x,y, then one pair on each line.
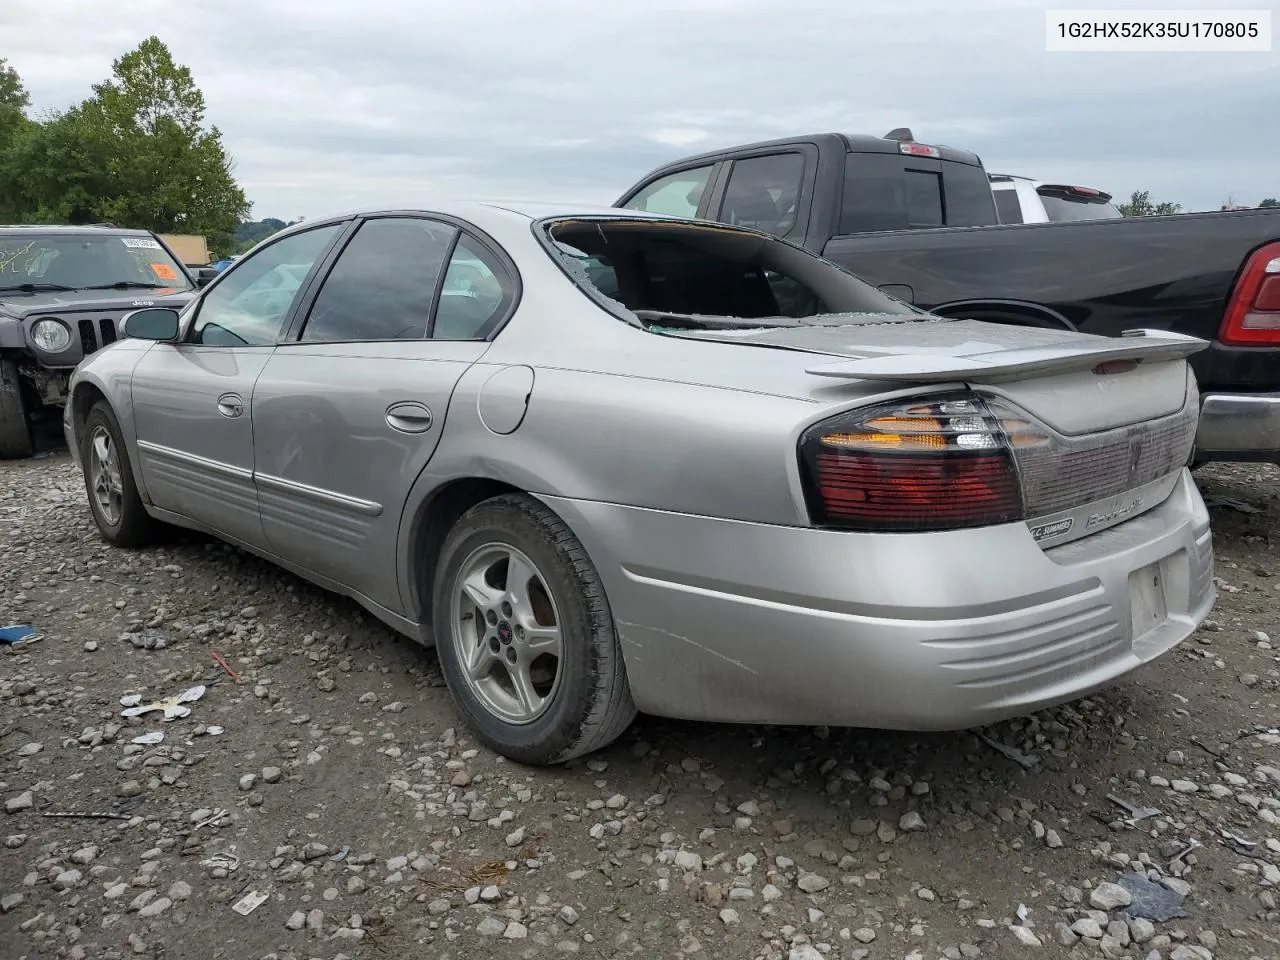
x,y
1076,383
1122,411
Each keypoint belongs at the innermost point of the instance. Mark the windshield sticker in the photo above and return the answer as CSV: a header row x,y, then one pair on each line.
x,y
164,271
140,243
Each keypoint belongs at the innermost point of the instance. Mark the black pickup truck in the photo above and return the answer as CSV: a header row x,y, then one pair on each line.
x,y
63,292
920,222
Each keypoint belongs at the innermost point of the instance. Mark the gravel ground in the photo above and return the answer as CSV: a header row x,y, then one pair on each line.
x,y
331,779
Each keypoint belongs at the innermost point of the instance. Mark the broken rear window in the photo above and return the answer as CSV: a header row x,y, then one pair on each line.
x,y
680,275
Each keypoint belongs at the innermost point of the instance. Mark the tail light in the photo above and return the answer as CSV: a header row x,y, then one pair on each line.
x,y
941,463
1253,312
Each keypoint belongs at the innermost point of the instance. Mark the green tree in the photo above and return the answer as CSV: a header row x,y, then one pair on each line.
x,y
136,153
14,101
1141,205
170,174
1270,202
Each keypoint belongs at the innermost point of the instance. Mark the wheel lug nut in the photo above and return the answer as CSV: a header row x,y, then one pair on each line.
x,y
519,631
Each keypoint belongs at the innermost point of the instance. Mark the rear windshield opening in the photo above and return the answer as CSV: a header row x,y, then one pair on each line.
x,y
692,276
1062,206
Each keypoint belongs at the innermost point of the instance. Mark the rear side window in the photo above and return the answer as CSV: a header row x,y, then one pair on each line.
x,y
476,294
1007,206
383,283
885,191
764,193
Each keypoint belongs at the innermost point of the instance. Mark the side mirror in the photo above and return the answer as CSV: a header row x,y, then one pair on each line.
x,y
153,323
205,275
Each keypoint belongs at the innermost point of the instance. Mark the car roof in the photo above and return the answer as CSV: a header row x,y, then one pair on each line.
x,y
88,229
483,212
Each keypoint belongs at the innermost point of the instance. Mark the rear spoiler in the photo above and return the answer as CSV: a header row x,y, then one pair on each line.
x,y
1085,194
1017,364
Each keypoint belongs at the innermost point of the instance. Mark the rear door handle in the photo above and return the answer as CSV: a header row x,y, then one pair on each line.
x,y
231,405
409,416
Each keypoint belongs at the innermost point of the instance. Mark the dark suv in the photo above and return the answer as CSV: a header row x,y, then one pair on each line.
x,y
63,292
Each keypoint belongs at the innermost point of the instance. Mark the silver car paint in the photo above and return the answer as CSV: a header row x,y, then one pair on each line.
x,y
674,460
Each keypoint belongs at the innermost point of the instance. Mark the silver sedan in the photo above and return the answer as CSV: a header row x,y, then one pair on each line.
x,y
610,462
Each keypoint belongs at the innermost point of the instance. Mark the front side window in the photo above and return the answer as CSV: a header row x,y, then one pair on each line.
x,y
86,262
248,306
764,193
675,195
383,282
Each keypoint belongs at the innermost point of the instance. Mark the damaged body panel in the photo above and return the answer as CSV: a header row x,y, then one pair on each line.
x,y
771,493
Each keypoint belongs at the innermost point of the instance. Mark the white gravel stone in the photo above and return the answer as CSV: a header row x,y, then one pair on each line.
x,y
568,915
864,935
1087,927
805,951
1110,896
23,801
491,927
729,916
155,908
297,920
911,822
812,883
1025,936
515,931
688,861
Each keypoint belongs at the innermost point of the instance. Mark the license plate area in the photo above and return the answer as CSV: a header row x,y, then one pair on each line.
x,y
1148,600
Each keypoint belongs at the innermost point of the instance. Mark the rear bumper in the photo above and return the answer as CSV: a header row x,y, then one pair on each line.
x,y
1239,426
738,622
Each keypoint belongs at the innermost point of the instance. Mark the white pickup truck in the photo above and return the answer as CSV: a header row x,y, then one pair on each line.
x,y
1023,200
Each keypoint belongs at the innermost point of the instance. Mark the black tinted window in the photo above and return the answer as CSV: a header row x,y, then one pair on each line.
x,y
382,284
764,193
967,195
1007,206
476,294
885,191
924,198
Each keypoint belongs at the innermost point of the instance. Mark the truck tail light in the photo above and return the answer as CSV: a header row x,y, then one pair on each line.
x,y
1252,317
917,465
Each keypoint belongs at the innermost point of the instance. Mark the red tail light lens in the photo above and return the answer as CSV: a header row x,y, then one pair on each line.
x,y
1253,312
918,465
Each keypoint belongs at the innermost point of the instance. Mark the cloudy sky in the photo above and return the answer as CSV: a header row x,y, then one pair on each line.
x,y
326,105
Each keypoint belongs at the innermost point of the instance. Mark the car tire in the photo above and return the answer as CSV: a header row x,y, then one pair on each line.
x,y
588,704
119,513
15,424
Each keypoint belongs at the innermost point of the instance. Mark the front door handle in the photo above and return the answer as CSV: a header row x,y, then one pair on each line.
x,y
231,405
409,416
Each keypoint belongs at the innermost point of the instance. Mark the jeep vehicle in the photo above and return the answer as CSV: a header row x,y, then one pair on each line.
x,y
63,293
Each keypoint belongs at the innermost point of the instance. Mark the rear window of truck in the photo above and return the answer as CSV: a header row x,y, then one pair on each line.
x,y
885,191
